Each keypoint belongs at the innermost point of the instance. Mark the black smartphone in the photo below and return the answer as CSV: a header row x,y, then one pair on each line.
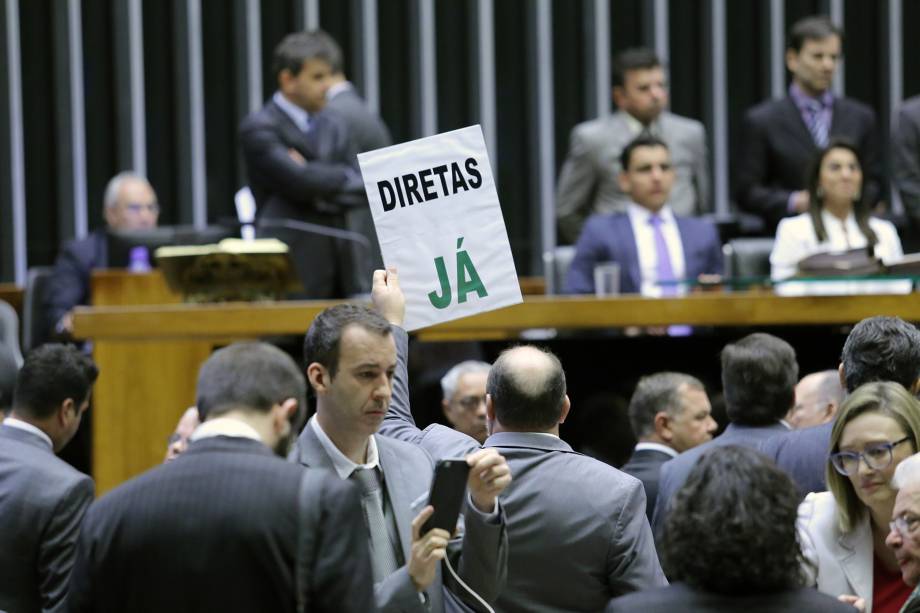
x,y
448,486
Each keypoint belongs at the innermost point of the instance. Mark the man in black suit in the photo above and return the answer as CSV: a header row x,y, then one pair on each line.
x,y
877,349
781,137
301,165
229,525
669,413
759,373
129,204
42,498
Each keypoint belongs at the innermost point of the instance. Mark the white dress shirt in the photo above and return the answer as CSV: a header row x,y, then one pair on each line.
x,y
344,467
643,446
647,251
225,426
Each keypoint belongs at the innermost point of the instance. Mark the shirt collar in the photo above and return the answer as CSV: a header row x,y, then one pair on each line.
x,y
12,422
338,88
804,102
300,117
640,214
225,426
342,463
643,446
636,127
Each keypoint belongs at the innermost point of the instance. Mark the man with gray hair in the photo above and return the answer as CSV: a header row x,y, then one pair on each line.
x,y
669,413
129,204
464,401
817,397
904,537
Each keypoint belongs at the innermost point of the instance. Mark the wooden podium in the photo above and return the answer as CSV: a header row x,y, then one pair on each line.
x,y
149,346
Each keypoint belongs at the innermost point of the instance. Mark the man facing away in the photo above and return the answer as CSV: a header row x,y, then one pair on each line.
x,y
350,359
780,138
577,530
759,373
229,525
42,498
588,180
654,247
669,413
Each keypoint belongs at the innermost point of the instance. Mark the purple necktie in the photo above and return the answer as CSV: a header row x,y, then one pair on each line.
x,y
663,270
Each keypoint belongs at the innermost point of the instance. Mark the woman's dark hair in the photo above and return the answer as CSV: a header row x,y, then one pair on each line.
x,y
731,527
860,205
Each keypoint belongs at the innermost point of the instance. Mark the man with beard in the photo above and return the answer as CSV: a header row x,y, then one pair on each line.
x,y
229,525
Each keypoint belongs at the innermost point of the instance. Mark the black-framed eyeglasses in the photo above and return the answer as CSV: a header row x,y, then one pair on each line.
x,y
877,456
904,525
471,403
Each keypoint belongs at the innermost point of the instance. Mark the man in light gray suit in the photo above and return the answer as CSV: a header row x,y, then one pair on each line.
x,y
351,358
577,529
588,179
42,498
759,373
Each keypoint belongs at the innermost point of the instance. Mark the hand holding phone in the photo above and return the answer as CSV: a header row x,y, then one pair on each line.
x,y
448,486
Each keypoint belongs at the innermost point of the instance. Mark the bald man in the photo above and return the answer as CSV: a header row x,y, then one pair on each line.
x,y
817,397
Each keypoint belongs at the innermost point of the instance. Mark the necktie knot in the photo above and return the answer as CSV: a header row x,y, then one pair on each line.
x,y
367,480
655,221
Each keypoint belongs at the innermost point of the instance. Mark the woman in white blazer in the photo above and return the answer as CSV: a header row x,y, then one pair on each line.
x,y
837,220
843,531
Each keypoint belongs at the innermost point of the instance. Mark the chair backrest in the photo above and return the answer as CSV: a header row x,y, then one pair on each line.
x,y
556,265
747,257
35,329
9,331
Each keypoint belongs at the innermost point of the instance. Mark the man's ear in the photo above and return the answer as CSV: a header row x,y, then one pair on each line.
x,y
623,182
285,76
792,59
67,411
843,377
318,377
490,408
566,407
616,93
445,408
662,425
284,414
915,388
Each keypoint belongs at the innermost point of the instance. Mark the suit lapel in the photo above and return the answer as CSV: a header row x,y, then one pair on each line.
x,y
624,249
293,136
857,568
400,503
309,451
687,242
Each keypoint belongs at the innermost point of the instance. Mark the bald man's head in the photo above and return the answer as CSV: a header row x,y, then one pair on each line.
x,y
527,389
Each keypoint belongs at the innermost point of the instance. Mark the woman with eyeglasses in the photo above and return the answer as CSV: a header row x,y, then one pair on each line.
x,y
843,531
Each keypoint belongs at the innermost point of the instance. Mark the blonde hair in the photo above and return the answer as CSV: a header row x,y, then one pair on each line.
x,y
885,398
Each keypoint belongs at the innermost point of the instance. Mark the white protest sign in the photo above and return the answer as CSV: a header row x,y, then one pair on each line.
x,y
439,223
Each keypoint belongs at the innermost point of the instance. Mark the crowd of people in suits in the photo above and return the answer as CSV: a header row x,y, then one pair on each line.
x,y
808,171
258,507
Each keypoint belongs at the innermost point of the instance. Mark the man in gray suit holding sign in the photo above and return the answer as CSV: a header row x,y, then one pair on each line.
x,y
577,530
588,179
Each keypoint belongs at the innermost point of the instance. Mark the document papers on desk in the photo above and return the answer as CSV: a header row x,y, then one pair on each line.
x,y
439,222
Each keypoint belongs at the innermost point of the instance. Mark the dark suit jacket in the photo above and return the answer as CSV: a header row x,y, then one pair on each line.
x,y
312,193
674,472
905,157
561,505
777,149
367,132
645,465
609,238
217,530
69,284
680,597
42,502
803,455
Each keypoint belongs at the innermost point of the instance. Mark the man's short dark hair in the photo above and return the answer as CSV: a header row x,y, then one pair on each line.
x,y
731,529
635,58
759,373
251,377
322,341
50,375
816,27
527,401
8,371
881,349
657,392
295,49
643,140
